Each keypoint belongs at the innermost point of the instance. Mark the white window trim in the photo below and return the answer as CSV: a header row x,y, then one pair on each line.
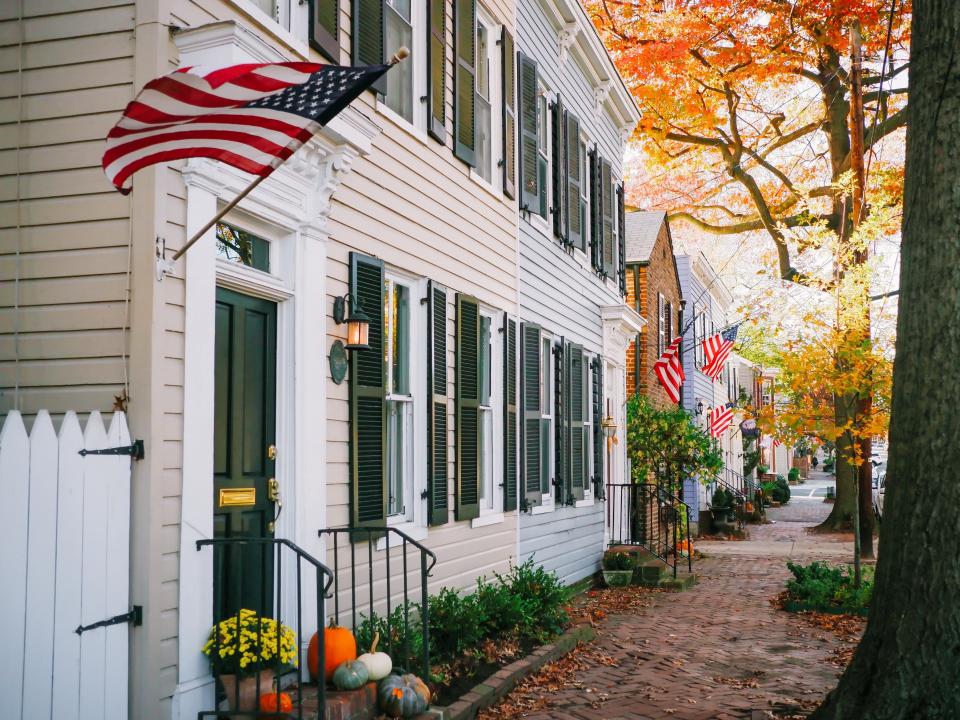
x,y
418,56
545,224
494,31
417,527
547,499
292,26
496,411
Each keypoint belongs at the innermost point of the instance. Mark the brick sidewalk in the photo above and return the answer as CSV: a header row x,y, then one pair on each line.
x,y
718,651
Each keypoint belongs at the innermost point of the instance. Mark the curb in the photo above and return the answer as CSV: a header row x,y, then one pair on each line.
x,y
506,678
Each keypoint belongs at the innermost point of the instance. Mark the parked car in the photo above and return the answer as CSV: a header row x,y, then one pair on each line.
x,y
879,485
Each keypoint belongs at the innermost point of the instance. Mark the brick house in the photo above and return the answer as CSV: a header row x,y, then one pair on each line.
x,y
653,290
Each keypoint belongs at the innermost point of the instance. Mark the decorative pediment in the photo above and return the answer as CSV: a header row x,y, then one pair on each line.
x,y
621,323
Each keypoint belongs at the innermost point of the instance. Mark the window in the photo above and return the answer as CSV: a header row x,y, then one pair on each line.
x,y
588,420
242,247
546,418
699,334
399,33
490,377
399,399
662,328
584,196
489,91
543,148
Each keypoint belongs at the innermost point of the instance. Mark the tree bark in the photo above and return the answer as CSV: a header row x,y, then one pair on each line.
x,y
841,514
908,664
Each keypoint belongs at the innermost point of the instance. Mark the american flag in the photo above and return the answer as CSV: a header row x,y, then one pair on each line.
x,y
719,419
716,350
251,116
669,370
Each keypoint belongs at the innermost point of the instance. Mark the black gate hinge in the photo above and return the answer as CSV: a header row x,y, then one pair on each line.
x,y
134,450
135,617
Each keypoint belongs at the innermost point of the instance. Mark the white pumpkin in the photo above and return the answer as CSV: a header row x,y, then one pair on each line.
x,y
378,664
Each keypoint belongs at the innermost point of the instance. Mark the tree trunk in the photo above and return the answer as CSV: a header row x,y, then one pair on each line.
x,y
865,474
908,664
841,514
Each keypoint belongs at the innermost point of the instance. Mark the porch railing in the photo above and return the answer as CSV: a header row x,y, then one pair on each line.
x,y
384,591
647,515
255,575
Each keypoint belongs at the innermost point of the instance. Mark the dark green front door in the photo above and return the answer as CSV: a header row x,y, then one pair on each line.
x,y
245,398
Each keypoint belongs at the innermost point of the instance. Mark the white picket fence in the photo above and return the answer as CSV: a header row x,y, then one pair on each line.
x,y
64,562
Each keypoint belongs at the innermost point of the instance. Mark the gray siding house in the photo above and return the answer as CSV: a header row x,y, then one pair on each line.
x,y
574,115
706,313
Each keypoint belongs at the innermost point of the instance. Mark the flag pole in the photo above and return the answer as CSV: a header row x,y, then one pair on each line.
x,y
401,54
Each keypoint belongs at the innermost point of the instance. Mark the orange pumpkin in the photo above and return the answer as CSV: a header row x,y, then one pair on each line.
x,y
276,702
339,645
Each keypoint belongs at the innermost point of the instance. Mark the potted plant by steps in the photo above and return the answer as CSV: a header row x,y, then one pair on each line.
x,y
793,476
618,568
248,659
722,506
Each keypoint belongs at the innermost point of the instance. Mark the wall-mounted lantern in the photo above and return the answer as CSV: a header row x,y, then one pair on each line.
x,y
699,408
347,310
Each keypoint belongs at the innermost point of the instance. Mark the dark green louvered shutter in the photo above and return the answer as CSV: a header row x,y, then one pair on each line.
x,y
596,367
575,413
606,202
465,80
574,229
437,70
509,413
368,37
621,241
438,486
468,408
530,430
508,58
596,233
368,497
559,174
530,188
325,28
560,402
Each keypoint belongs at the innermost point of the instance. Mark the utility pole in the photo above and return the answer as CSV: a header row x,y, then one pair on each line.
x,y
863,543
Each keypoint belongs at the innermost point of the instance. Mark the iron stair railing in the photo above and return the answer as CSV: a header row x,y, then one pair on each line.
x,y
387,589
244,569
651,517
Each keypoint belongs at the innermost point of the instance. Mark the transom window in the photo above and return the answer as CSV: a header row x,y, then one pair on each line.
x,y
399,399
242,247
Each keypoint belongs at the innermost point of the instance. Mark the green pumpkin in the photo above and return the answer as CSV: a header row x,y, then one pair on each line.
x,y
350,675
403,696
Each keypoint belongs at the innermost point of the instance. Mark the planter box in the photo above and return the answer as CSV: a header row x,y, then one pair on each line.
x,y
617,578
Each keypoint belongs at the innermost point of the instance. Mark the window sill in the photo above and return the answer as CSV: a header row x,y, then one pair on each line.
x,y
541,509
274,28
401,122
586,502
490,518
414,531
540,223
487,185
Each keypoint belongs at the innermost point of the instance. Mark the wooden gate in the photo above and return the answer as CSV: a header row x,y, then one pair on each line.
x,y
64,564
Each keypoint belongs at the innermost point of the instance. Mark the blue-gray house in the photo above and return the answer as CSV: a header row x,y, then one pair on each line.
x,y
574,115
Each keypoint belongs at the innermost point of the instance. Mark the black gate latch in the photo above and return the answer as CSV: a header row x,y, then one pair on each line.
x,y
135,451
135,616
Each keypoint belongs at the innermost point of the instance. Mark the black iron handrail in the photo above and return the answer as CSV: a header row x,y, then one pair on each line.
x,y
650,516
405,656
244,567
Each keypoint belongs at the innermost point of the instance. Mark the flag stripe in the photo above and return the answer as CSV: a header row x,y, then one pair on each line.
x,y
669,370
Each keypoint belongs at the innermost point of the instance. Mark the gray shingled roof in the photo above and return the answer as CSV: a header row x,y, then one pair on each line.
x,y
643,226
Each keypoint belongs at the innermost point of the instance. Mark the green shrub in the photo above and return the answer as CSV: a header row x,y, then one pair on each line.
x,y
401,634
819,586
456,624
545,599
793,475
502,609
618,561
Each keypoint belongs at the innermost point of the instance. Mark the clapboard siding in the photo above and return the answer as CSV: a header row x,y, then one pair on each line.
x,y
560,291
64,232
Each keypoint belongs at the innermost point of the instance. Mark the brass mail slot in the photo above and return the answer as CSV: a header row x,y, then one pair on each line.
x,y
232,497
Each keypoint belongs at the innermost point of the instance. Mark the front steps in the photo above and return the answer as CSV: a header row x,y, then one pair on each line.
x,y
651,571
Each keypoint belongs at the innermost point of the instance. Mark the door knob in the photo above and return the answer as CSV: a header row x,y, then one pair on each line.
x,y
273,490
272,452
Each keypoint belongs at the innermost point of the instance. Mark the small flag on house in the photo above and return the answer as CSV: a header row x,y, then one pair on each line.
x,y
716,350
251,116
669,370
719,419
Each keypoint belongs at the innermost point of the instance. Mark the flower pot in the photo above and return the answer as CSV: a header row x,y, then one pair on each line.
x,y
241,690
617,578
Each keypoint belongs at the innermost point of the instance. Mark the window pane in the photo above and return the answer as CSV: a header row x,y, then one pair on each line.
x,y
486,360
486,457
484,139
399,97
242,247
395,452
545,451
399,338
545,358
268,6
483,61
